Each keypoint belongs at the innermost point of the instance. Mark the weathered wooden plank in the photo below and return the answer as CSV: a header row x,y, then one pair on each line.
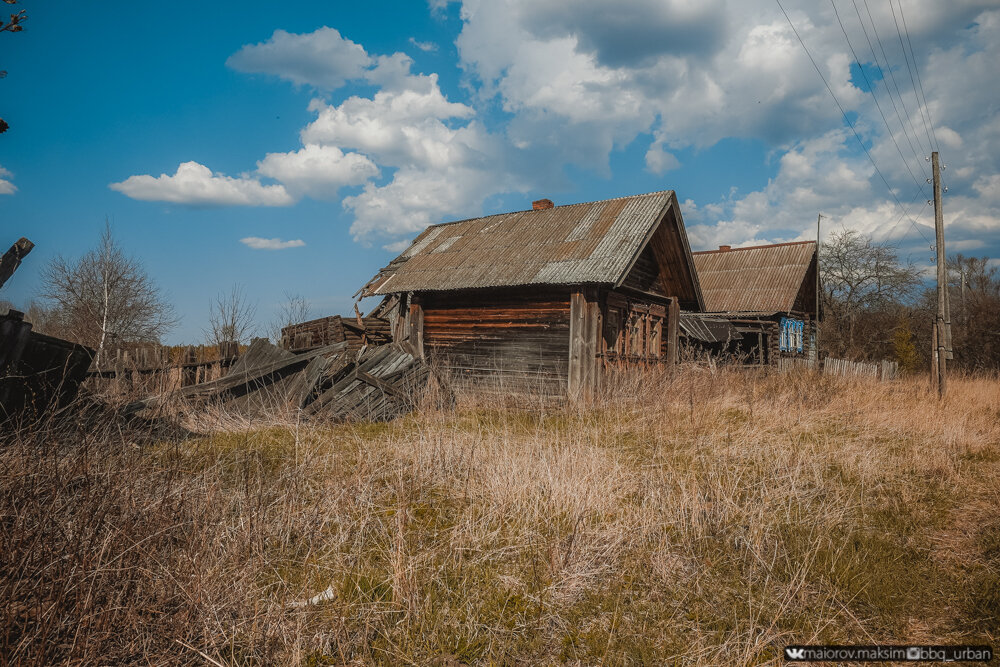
x,y
577,320
380,387
301,387
417,327
342,384
673,320
12,258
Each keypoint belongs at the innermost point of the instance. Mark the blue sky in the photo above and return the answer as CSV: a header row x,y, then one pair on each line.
x,y
297,150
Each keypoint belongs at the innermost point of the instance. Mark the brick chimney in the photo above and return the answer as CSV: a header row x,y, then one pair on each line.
x,y
724,248
541,204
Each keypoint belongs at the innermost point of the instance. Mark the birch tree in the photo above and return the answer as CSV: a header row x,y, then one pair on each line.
x,y
106,298
230,317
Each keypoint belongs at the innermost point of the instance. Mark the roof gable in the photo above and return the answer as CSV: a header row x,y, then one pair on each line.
x,y
756,279
590,243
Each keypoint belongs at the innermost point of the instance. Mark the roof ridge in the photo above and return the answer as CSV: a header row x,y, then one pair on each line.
x,y
754,247
579,203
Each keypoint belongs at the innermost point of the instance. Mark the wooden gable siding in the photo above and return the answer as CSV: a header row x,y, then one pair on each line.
x,y
645,274
516,339
805,299
662,268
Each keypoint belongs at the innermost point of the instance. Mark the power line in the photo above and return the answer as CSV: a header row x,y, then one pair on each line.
x,y
888,90
841,107
871,89
912,222
919,82
920,107
892,77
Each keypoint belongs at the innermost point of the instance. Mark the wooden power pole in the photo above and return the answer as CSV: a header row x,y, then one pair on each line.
x,y
938,374
816,325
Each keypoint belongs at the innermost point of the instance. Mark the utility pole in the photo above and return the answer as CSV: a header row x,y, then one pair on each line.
x,y
965,311
938,372
816,325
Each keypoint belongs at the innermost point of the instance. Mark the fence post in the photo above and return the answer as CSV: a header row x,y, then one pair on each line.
x,y
189,371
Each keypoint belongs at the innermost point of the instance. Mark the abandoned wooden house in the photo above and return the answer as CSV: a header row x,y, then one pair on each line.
x,y
551,297
769,295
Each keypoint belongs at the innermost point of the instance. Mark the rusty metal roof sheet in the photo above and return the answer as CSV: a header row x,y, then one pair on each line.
x,y
761,278
594,242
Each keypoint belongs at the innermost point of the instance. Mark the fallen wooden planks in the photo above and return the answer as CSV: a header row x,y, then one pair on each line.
x,y
377,383
259,368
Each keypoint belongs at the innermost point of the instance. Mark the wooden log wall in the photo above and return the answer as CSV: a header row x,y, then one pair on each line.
x,y
335,329
518,340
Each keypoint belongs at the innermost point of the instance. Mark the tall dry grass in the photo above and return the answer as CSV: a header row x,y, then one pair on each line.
x,y
705,518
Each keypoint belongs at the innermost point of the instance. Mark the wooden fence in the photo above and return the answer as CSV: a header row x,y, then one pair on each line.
x,y
153,368
881,370
792,363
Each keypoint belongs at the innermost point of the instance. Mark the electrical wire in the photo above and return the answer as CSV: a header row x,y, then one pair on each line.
x,y
888,90
843,112
871,89
912,222
913,81
920,83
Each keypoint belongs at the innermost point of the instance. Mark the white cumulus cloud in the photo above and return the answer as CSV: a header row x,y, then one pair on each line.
x,y
258,243
660,161
577,80
318,171
6,186
195,185
322,58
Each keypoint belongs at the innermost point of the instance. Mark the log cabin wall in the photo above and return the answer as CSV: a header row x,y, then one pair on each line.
x,y
506,339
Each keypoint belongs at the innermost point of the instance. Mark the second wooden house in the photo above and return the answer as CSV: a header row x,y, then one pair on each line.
x,y
549,297
768,293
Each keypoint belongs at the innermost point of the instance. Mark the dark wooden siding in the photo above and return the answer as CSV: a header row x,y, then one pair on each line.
x,y
645,274
518,340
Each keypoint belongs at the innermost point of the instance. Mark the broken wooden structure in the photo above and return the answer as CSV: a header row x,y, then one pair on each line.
x,y
38,373
160,368
356,332
550,298
768,293
336,381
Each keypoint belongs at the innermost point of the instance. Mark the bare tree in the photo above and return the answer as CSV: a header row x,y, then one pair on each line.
x,y
230,317
13,25
105,298
862,277
293,310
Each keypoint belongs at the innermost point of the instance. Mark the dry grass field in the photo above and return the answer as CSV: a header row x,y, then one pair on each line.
x,y
708,518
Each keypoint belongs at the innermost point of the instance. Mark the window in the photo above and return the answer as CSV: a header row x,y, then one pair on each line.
x,y
633,330
792,334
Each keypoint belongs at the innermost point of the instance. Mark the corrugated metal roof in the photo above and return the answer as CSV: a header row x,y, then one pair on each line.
x,y
708,329
760,278
594,242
